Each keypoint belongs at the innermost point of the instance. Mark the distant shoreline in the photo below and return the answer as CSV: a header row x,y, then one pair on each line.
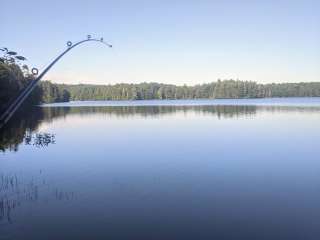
x,y
226,89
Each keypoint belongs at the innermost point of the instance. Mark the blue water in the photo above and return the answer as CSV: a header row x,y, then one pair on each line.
x,y
200,169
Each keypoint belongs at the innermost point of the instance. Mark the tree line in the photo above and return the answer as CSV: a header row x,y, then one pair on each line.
x,y
14,76
216,90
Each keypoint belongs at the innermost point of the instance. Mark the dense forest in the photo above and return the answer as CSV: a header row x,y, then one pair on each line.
x,y
219,89
14,76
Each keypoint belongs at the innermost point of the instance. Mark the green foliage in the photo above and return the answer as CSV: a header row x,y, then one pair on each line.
x,y
21,58
11,82
50,93
13,77
10,57
221,89
12,53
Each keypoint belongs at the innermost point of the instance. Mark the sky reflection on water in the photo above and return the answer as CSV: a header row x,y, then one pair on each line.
x,y
166,172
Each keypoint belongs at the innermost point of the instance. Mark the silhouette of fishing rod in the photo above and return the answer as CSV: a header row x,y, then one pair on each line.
x,y
5,117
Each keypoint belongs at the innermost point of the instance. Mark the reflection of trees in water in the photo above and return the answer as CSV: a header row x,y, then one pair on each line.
x,y
26,122
22,127
220,111
150,111
13,193
39,139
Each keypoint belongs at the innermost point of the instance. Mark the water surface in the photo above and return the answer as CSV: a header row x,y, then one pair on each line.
x,y
202,169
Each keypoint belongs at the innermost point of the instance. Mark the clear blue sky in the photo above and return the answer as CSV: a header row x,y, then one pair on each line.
x,y
168,41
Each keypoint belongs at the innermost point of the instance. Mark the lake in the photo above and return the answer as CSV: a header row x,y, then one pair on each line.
x,y
176,169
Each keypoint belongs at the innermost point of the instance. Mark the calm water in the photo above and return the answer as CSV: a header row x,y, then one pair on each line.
x,y
225,169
